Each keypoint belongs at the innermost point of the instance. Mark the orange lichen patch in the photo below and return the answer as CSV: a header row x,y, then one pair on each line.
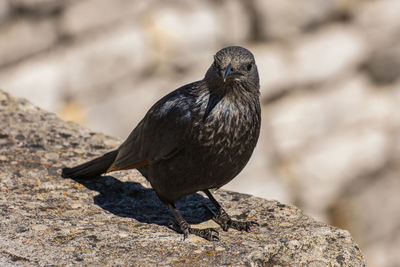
x,y
211,253
75,231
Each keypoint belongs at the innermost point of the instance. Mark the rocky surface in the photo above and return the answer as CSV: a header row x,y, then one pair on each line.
x,y
118,219
330,83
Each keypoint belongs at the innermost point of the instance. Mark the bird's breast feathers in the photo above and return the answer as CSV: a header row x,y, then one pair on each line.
x,y
228,125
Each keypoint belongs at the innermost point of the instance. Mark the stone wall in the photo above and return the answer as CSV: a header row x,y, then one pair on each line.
x,y
330,88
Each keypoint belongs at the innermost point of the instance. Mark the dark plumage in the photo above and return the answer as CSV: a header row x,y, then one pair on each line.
x,y
196,138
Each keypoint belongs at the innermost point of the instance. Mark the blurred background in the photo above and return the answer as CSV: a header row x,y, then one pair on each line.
x,y
330,84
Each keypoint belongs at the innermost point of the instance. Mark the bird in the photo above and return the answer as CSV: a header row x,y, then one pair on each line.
x,y
196,138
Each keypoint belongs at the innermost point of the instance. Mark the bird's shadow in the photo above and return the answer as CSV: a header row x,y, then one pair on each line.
x,y
132,200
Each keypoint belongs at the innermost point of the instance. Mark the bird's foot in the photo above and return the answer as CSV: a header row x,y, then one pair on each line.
x,y
226,222
243,225
209,234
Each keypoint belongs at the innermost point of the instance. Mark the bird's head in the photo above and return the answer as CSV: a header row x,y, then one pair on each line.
x,y
233,65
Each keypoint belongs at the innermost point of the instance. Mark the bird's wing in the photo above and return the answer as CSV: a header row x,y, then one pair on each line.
x,y
160,134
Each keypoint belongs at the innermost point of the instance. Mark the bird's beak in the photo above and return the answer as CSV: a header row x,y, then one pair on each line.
x,y
227,72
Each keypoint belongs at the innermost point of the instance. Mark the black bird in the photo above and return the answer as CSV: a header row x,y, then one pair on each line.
x,y
196,138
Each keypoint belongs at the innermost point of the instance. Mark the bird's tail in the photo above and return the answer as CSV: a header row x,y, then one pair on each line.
x,y
92,168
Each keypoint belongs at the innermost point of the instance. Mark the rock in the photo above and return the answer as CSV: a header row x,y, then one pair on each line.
x,y
201,23
304,117
40,7
316,58
372,228
325,140
356,153
47,220
21,38
275,69
46,74
80,70
78,17
177,29
234,22
328,53
4,10
382,33
385,27
384,64
92,64
125,98
280,19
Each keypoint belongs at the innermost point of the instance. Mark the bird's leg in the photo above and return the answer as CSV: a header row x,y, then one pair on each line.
x,y
209,233
223,218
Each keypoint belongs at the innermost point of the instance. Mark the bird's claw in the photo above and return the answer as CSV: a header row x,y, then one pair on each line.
x,y
171,225
223,221
243,226
226,222
210,234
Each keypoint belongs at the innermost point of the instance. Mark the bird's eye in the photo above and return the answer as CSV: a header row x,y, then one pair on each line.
x,y
250,66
